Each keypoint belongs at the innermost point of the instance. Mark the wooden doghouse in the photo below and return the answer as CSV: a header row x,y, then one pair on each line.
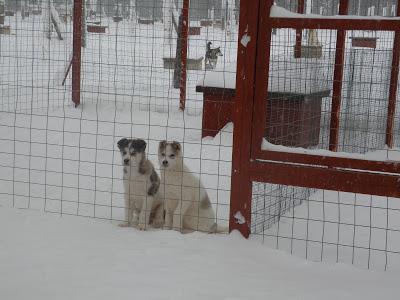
x,y
313,48
293,117
117,19
5,29
364,42
206,23
220,23
37,11
192,63
96,28
194,30
146,21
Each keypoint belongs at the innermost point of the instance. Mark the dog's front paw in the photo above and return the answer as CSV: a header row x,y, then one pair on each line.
x,y
141,227
158,223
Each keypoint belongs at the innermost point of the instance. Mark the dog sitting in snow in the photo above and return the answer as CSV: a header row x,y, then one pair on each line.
x,y
143,206
212,55
184,195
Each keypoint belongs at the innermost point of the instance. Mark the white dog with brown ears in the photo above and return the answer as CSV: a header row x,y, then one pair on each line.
x,y
185,199
143,206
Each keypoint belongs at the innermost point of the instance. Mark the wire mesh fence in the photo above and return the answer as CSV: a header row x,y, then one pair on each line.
x,y
65,160
331,226
317,224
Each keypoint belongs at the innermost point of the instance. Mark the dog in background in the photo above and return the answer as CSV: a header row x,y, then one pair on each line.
x,y
184,195
212,55
143,206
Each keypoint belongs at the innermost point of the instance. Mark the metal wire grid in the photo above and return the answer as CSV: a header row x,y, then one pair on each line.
x,y
64,160
131,47
356,7
334,227
33,65
329,225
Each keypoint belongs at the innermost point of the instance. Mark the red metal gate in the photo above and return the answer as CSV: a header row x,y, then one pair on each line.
x,y
333,172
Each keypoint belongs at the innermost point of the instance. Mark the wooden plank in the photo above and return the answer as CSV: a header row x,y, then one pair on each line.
x,y
378,184
394,77
336,24
261,77
330,161
184,45
337,81
241,186
76,50
299,31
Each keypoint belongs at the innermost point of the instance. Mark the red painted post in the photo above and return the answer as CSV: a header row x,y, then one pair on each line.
x,y
394,77
76,58
337,81
241,185
299,32
184,37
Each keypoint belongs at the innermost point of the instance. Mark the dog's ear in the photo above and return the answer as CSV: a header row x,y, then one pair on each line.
x,y
176,146
162,145
139,145
122,143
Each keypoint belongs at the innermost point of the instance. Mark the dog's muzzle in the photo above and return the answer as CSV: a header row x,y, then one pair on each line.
x,y
126,162
165,163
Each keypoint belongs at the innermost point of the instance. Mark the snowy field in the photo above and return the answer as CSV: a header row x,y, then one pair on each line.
x,y
123,65
47,257
340,227
68,161
64,160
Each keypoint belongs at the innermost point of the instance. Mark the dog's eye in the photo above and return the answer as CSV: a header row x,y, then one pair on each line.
x,y
172,156
162,154
133,153
123,152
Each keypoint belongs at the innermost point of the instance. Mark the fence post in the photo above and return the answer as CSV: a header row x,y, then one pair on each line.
x,y
241,185
184,45
76,52
337,81
394,77
299,32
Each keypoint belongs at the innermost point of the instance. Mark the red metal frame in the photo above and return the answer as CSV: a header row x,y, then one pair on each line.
x,y
335,24
242,114
76,58
184,36
251,163
393,84
337,81
299,31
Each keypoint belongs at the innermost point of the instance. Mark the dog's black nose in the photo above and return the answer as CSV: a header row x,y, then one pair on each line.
x,y
165,162
126,161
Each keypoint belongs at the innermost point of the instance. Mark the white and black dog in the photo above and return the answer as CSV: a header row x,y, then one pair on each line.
x,y
185,199
212,56
143,206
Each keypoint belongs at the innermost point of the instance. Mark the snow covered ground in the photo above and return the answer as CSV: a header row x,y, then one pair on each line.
x,y
63,160
341,227
47,257
66,160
